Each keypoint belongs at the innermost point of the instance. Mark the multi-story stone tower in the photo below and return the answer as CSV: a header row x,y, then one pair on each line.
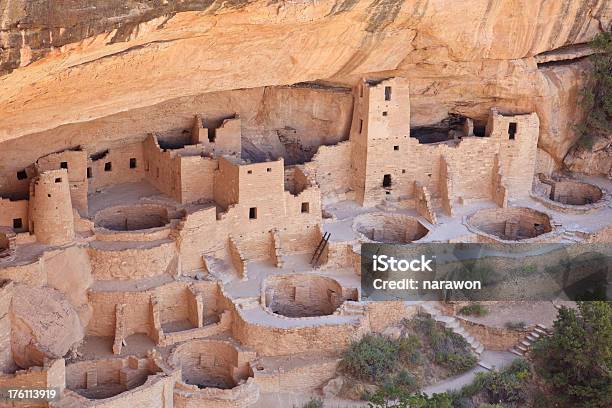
x,y
51,217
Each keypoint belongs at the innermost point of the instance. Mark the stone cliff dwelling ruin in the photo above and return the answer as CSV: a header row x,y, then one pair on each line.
x,y
185,273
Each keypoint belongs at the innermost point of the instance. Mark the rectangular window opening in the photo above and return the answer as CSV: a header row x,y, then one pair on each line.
x,y
132,163
58,180
22,175
64,165
395,147
512,130
305,207
17,223
212,135
253,213
360,125
89,172
385,113
108,166
386,181
387,93
269,169
249,171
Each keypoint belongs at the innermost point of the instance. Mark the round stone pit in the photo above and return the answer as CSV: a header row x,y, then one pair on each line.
x,y
303,295
510,224
390,228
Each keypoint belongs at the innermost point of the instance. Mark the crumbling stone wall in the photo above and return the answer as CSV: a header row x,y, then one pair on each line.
x,y
381,146
14,214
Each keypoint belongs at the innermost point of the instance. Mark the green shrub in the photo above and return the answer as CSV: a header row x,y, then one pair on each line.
x,y
370,359
450,350
507,386
576,360
409,349
475,309
385,399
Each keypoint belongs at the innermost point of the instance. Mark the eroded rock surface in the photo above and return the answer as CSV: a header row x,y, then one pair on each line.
x,y
44,324
88,57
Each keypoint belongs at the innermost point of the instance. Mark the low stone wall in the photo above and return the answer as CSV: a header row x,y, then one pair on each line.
x,y
124,261
269,340
299,379
241,396
224,324
493,338
141,384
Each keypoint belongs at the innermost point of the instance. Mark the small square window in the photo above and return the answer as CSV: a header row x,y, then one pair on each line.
x,y
305,207
269,169
385,113
17,223
132,163
22,175
403,171
64,165
49,195
253,213
89,172
58,180
395,147
108,166
249,171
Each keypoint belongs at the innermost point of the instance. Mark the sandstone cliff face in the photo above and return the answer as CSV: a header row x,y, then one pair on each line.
x,y
78,61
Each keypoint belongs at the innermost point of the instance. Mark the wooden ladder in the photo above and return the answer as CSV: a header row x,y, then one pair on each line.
x,y
314,261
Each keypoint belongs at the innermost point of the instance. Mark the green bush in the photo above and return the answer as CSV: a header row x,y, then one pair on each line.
x,y
507,385
370,359
475,309
385,399
450,350
576,360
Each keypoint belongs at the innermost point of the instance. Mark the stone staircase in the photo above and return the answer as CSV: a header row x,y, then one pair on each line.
x,y
524,346
453,324
352,308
